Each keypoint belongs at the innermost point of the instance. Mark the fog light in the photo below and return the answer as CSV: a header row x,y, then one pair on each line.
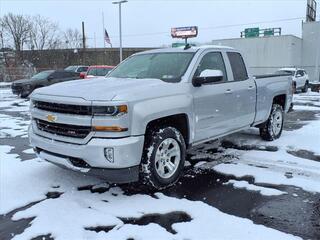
x,y
108,153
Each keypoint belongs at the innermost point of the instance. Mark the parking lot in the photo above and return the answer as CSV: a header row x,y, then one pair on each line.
x,y
238,188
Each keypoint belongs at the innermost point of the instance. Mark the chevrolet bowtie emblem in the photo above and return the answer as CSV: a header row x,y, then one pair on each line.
x,y
51,118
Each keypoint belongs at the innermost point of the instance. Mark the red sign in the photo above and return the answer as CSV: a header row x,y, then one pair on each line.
x,y
184,32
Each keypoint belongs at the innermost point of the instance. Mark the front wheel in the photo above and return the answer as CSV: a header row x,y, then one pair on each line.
x,y
272,128
163,157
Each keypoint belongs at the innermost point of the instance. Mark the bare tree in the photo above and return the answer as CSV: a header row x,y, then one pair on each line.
x,y
18,28
72,38
43,33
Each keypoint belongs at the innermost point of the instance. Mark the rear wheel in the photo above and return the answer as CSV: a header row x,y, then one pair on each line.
x,y
305,87
163,157
272,128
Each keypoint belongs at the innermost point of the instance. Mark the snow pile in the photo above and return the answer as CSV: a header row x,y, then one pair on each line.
x,y
75,211
251,187
68,216
13,127
23,182
309,98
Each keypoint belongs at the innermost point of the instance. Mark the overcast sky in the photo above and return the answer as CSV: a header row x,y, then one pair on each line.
x,y
148,23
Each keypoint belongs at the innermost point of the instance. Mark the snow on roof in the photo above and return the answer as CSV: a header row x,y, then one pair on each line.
x,y
290,69
213,46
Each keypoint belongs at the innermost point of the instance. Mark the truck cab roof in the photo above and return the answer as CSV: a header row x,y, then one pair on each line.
x,y
191,49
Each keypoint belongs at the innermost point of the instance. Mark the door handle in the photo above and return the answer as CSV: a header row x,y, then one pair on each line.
x,y
250,87
229,91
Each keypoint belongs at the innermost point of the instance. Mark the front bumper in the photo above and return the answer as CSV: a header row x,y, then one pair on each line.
x,y
21,90
90,159
16,90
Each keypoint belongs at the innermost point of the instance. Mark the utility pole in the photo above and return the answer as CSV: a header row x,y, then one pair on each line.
x,y
103,33
317,75
83,37
120,30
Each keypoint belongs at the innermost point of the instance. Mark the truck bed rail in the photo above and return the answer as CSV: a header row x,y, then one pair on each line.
x,y
271,75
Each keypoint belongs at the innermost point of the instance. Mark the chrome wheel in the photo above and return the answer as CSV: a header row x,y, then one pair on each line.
x,y
167,159
276,122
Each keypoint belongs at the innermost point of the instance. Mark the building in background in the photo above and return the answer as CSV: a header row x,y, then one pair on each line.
x,y
268,53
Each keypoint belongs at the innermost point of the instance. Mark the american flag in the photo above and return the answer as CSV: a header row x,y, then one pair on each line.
x,y
107,38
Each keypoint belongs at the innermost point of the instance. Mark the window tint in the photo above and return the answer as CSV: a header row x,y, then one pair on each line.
x,y
300,72
70,74
42,75
98,71
169,67
56,75
238,67
82,69
212,61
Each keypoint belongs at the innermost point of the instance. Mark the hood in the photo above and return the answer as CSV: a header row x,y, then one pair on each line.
x,y
23,81
103,89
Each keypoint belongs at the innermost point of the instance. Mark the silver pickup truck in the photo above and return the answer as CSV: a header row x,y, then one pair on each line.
x,y
139,121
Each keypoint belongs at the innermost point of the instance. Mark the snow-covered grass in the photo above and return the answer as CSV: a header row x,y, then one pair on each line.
x,y
5,84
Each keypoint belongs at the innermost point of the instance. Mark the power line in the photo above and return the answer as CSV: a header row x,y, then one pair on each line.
x,y
210,28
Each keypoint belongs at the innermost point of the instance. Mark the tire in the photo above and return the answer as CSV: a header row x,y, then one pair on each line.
x,y
272,128
305,87
24,94
294,88
159,169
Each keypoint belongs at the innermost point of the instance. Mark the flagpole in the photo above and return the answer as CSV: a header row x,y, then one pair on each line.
x,y
104,42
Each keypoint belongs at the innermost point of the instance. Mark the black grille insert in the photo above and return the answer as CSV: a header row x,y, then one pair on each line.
x,y
63,108
63,129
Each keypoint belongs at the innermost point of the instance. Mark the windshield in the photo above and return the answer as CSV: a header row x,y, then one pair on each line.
x,y
285,72
42,75
168,67
71,68
98,71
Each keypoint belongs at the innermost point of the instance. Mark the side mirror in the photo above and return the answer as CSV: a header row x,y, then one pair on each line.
x,y
208,76
50,78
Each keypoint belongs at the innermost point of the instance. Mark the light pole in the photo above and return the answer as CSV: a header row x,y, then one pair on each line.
x,y
120,31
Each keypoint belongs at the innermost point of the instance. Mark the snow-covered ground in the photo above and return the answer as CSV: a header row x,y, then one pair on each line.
x,y
67,205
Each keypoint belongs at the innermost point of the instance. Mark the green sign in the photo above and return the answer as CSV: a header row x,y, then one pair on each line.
x,y
180,44
251,32
268,32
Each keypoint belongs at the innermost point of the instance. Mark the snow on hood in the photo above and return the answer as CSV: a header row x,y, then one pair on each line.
x,y
101,89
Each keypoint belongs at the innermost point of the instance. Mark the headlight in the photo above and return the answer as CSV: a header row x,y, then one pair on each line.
x,y
110,110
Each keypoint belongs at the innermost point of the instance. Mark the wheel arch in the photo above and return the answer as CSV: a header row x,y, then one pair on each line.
x,y
179,121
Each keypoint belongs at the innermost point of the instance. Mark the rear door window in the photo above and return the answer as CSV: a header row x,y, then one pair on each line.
x,y
57,75
82,69
238,67
300,73
212,61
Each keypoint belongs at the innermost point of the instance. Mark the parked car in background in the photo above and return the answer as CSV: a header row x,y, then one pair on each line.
x,y
77,69
25,87
300,78
97,71
139,122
